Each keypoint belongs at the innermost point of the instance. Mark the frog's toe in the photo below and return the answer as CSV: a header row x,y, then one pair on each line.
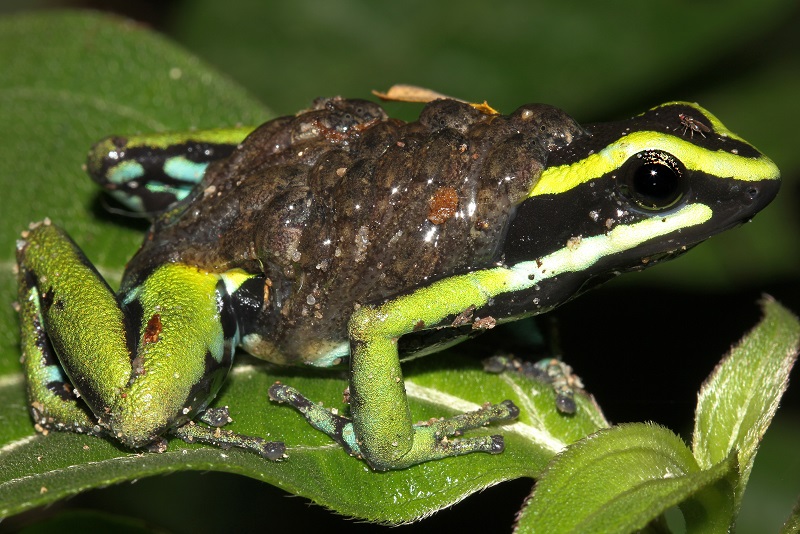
x,y
338,427
498,445
273,450
489,413
511,410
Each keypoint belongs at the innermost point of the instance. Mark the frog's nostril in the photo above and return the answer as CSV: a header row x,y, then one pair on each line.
x,y
759,194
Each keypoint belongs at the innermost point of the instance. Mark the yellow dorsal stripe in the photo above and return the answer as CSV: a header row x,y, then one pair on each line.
x,y
718,163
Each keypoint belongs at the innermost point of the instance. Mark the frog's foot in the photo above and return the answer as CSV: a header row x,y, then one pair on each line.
x,y
338,427
225,439
551,371
437,431
430,440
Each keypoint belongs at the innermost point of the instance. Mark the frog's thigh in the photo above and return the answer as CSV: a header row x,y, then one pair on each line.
x,y
66,306
382,419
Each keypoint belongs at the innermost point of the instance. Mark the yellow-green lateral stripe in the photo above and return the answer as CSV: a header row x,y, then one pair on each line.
x,y
718,163
430,305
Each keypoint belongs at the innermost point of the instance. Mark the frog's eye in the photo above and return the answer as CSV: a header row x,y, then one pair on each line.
x,y
653,180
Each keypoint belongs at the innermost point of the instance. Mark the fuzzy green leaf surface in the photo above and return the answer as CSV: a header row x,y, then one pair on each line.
x,y
36,469
79,78
621,479
738,401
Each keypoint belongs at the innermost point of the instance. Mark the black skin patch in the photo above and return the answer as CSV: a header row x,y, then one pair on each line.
x,y
665,119
46,299
206,389
247,303
133,315
227,316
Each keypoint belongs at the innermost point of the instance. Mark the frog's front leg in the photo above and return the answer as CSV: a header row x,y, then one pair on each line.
x,y
382,431
134,368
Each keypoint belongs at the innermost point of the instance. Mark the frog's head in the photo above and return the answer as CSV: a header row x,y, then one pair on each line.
x,y
632,193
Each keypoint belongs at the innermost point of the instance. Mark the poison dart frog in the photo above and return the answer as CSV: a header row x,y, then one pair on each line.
x,y
341,236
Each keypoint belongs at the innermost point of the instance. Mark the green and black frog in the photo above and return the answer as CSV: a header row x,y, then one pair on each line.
x,y
340,236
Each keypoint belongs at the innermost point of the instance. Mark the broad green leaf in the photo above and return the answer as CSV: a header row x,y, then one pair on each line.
x,y
621,479
36,469
79,78
738,401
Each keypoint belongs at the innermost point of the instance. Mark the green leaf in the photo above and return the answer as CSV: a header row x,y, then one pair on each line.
x,y
36,469
81,77
738,401
621,479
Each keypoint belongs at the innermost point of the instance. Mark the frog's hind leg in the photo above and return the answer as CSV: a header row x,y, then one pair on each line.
x,y
53,402
66,308
150,173
132,368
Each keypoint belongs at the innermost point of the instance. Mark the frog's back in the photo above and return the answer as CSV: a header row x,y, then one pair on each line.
x,y
340,206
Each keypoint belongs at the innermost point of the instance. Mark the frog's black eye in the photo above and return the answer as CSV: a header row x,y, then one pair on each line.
x,y
653,180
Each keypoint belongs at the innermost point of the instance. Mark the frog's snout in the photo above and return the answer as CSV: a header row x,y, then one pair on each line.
x,y
759,194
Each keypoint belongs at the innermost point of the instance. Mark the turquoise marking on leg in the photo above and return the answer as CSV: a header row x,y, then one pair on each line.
x,y
132,202
333,357
53,373
181,168
125,172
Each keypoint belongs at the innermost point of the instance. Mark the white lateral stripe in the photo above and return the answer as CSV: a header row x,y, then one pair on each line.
x,y
591,249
